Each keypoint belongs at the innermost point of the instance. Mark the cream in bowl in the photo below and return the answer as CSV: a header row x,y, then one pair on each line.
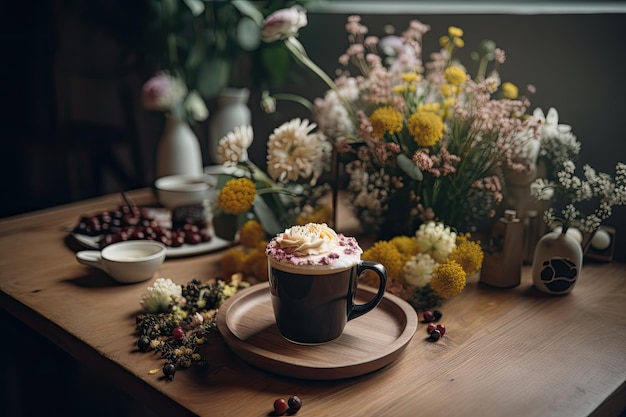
x,y
127,262
174,191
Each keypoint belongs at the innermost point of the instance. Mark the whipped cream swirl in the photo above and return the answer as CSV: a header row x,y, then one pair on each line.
x,y
314,244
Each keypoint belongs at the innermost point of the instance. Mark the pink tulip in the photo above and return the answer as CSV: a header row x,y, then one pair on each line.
x,y
283,23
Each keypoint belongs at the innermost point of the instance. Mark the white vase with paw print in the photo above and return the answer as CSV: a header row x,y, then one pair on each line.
x,y
557,263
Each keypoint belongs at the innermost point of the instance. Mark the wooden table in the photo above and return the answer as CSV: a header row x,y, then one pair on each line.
x,y
510,352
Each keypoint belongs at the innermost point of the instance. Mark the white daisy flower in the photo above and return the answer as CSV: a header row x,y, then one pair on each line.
x,y
233,147
294,152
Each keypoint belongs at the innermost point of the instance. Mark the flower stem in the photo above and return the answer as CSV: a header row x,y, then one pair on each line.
x,y
297,99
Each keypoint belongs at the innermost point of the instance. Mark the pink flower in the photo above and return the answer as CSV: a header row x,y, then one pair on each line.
x,y
162,92
283,23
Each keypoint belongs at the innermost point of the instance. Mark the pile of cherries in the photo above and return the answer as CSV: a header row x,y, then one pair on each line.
x,y
133,223
291,406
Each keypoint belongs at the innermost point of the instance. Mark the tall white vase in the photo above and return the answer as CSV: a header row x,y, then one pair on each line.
x,y
232,111
557,263
178,151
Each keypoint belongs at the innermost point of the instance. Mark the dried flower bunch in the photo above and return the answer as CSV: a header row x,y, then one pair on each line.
x,y
429,267
177,319
424,139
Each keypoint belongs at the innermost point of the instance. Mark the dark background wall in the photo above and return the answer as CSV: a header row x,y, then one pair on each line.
x,y
60,65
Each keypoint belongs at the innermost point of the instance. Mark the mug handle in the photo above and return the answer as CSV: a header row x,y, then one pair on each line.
x,y
90,257
360,309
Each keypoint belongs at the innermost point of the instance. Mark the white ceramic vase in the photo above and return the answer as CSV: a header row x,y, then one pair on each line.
x,y
232,111
557,263
178,151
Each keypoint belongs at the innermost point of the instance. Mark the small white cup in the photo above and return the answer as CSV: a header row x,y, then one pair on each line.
x,y
175,191
127,262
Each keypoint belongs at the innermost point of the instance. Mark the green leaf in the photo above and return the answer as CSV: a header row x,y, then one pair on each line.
x,y
247,8
266,216
409,167
248,34
213,76
226,226
196,6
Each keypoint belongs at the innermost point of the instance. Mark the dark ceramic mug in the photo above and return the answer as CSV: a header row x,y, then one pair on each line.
x,y
312,306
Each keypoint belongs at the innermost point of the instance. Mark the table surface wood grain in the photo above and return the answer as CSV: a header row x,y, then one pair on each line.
x,y
514,352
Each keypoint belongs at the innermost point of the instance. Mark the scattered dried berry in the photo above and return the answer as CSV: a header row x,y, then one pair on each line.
x,y
280,406
428,316
169,369
437,315
441,328
178,333
143,344
431,327
295,403
435,335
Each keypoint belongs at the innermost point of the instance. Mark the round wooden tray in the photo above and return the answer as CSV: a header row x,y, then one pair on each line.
x,y
368,343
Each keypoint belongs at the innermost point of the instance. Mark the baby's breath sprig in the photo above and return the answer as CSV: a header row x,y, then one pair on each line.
x,y
571,194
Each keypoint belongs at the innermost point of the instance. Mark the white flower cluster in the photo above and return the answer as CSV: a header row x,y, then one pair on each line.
x,y
370,193
436,240
418,270
332,113
558,143
233,148
596,186
158,298
294,152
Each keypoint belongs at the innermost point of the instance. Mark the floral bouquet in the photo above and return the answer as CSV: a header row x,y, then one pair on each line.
x,y
285,195
422,141
429,267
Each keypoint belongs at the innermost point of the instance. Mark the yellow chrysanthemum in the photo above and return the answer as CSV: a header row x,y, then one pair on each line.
x,y
509,90
468,254
237,196
426,128
448,279
251,233
232,262
399,89
406,245
455,75
455,32
386,120
459,43
255,264
387,254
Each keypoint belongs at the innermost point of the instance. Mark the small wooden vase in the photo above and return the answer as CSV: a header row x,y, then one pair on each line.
x,y
557,263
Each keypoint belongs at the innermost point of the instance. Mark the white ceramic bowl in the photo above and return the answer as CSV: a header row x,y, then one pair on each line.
x,y
127,262
175,191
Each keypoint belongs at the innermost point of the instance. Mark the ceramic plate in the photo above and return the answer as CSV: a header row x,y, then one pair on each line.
x,y
162,217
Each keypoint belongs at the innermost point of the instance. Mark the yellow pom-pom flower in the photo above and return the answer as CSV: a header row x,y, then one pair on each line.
x,y
255,264
455,75
455,32
448,279
468,254
406,245
232,262
237,196
251,233
386,120
426,128
509,90
387,254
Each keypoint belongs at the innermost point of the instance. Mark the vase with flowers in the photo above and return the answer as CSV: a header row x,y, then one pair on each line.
x,y
178,151
558,257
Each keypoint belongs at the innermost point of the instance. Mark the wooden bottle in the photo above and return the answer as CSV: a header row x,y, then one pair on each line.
x,y
502,264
